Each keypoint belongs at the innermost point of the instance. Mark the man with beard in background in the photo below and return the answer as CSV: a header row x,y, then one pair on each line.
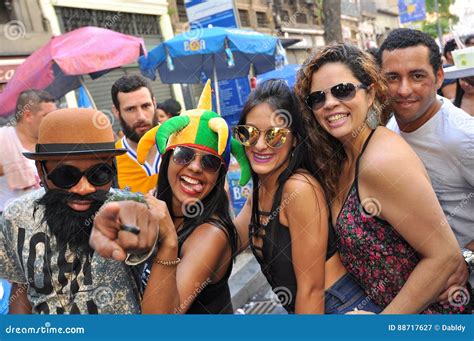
x,y
44,236
134,105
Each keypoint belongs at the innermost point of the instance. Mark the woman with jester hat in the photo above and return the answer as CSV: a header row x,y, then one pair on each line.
x,y
189,268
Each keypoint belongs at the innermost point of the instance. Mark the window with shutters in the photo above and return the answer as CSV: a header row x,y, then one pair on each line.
x,y
244,18
262,20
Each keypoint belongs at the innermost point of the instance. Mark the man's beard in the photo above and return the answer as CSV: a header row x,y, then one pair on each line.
x,y
67,225
130,131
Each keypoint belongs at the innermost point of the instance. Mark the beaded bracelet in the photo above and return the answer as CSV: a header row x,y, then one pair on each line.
x,y
168,262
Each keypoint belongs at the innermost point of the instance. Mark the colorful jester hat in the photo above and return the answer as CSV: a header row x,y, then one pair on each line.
x,y
199,128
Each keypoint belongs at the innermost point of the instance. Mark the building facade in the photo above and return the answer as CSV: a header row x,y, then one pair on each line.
x,y
387,19
23,31
147,19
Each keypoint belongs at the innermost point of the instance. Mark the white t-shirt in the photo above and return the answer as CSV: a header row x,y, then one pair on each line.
x,y
445,144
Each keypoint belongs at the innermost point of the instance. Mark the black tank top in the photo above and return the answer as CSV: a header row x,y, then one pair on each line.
x,y
211,299
276,263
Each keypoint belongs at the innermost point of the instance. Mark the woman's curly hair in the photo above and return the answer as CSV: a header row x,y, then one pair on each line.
x,y
326,150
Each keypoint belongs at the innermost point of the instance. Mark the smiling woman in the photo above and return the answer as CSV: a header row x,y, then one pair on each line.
x,y
376,196
189,270
286,222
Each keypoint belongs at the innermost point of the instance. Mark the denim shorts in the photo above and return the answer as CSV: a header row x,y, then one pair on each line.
x,y
345,295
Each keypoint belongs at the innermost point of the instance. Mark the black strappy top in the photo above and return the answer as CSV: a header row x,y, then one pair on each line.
x,y
211,298
276,263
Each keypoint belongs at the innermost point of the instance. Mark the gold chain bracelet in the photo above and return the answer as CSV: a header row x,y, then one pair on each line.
x,y
168,262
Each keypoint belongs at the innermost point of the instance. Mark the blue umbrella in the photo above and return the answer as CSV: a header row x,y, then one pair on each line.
x,y
287,73
217,53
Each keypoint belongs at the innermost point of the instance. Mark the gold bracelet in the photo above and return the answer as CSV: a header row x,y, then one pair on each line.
x,y
168,262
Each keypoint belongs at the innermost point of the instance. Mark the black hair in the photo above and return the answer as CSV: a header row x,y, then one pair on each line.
x,y
284,102
215,208
449,47
129,83
373,51
468,39
171,107
401,38
459,94
30,99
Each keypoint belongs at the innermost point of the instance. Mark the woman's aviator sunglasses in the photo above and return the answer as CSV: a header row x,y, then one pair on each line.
x,y
342,91
248,135
184,155
67,176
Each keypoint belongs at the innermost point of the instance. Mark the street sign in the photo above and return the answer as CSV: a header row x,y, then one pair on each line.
x,y
219,13
411,10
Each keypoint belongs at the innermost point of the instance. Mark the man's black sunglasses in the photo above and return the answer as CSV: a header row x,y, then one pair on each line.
x,y
67,176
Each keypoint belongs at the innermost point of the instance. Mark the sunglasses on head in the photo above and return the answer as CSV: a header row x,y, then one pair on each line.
x,y
248,135
342,91
185,155
67,176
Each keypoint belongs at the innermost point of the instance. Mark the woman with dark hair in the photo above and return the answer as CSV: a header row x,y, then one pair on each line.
x,y
167,109
289,231
391,231
464,98
189,270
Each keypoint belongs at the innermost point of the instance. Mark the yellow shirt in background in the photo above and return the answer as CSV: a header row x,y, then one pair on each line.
x,y
132,175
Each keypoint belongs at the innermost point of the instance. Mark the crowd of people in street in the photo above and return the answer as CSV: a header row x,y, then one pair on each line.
x,y
362,199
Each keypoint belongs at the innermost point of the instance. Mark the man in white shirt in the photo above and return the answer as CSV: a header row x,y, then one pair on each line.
x,y
441,134
18,175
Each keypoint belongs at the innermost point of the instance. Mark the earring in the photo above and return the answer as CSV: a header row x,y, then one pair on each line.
x,y
293,152
373,119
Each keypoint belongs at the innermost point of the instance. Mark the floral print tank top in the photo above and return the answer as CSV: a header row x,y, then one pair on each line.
x,y
375,253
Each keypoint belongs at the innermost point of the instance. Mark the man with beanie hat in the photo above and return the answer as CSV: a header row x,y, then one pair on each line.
x,y
44,236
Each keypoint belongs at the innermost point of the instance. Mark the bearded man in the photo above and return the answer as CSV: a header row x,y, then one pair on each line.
x,y
44,239
134,106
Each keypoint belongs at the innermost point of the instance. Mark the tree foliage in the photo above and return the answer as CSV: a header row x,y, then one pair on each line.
x,y
445,17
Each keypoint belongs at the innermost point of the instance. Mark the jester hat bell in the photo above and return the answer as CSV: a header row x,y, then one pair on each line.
x,y
199,128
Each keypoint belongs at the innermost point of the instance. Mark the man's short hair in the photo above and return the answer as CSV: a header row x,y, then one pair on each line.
x,y
129,83
449,47
30,100
401,38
